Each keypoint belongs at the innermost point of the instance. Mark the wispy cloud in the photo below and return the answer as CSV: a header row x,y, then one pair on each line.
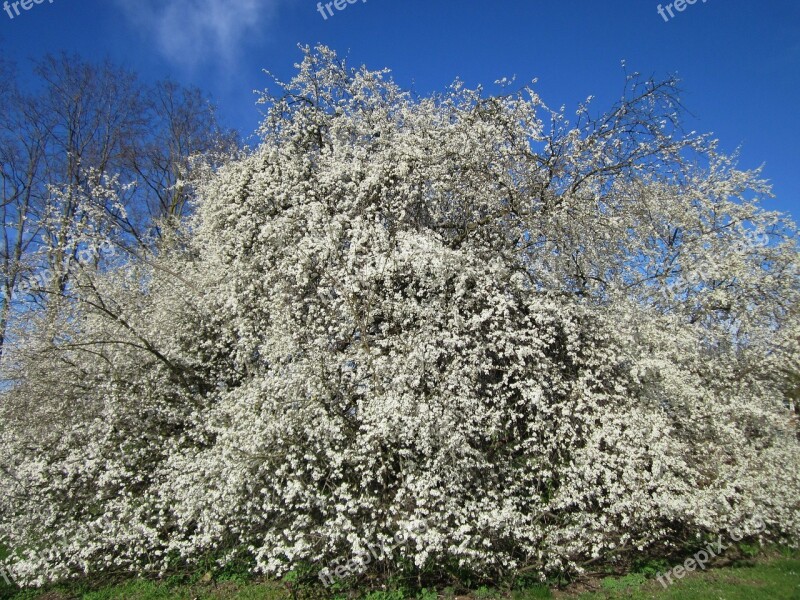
x,y
192,32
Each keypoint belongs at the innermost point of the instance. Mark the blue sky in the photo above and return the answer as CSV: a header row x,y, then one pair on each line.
x,y
739,60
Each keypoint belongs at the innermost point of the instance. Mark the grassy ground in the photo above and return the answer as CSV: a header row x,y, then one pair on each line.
x,y
775,576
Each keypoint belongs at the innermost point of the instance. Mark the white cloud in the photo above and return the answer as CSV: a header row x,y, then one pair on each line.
x,y
191,32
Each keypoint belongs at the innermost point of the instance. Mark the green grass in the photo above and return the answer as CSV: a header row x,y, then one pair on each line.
x,y
150,590
773,578
776,579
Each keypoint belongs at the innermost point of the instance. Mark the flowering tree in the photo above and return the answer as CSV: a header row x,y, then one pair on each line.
x,y
523,343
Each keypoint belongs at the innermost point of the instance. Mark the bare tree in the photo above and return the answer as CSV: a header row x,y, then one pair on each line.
x,y
184,127
91,148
